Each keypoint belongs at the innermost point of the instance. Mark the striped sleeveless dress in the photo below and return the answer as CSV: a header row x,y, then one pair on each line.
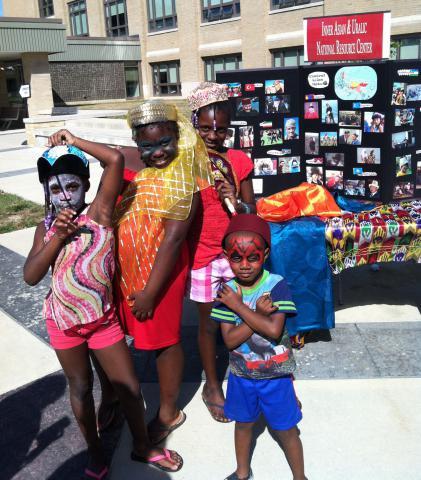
x,y
81,290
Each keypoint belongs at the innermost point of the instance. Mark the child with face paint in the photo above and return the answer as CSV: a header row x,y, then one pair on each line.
x,y
251,310
152,221
77,241
211,118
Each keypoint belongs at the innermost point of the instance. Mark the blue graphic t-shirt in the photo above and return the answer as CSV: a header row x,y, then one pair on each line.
x,y
260,357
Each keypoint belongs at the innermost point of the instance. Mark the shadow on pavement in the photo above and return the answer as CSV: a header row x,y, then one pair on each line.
x,y
25,434
40,438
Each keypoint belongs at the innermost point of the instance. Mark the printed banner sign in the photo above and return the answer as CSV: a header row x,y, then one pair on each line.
x,y
347,37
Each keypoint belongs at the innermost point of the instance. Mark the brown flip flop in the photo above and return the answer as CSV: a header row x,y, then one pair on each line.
x,y
159,431
209,405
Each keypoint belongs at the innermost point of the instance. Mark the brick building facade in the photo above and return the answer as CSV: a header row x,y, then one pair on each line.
x,y
182,42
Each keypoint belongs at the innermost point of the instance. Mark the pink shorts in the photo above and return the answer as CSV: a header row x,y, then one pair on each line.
x,y
204,283
102,333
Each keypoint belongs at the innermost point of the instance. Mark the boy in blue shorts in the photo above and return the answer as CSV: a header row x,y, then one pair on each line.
x,y
251,309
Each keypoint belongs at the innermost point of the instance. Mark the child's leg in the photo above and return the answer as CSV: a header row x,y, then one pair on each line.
x,y
293,449
109,400
77,368
119,368
212,389
170,365
243,435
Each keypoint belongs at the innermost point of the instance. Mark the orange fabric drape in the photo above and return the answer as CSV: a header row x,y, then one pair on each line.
x,y
305,200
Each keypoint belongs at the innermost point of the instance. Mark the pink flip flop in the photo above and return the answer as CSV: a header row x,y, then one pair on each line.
x,y
153,461
97,476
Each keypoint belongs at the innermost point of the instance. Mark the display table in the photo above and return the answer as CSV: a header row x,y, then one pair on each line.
x,y
390,233
307,250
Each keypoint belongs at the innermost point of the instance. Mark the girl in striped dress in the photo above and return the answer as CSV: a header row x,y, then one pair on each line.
x,y
77,241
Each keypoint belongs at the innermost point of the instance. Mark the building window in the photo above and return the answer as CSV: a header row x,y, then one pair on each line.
x,y
46,8
288,57
161,15
166,78
408,48
116,18
278,4
220,64
131,74
214,10
78,18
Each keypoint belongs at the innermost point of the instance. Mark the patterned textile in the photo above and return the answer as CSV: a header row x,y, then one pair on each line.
x,y
205,94
154,195
81,285
222,169
389,233
298,253
151,111
305,200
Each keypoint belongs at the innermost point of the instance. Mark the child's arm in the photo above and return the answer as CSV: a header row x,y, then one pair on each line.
x,y
175,232
269,325
102,207
43,255
235,335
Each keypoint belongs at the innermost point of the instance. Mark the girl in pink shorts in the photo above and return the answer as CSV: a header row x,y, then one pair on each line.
x,y
232,171
77,241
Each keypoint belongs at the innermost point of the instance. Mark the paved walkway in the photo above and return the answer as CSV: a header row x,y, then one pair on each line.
x,y
360,385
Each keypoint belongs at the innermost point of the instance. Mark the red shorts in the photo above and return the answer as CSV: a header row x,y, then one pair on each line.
x,y
164,328
100,334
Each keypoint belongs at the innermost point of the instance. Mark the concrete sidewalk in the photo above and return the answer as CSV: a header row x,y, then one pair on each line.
x,y
360,386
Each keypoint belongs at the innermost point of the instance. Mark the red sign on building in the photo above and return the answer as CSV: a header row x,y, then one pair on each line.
x,y
363,36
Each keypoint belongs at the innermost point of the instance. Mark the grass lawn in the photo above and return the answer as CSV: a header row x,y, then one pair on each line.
x,y
17,213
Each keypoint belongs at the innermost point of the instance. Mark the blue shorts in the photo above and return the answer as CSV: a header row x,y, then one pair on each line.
x,y
275,398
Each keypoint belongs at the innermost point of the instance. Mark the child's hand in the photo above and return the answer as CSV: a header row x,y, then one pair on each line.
x,y
226,190
62,137
227,296
64,223
142,305
264,305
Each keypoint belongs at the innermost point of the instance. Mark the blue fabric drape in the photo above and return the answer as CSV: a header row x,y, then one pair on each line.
x,y
299,254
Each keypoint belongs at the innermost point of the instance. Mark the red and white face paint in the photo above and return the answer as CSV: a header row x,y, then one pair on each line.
x,y
246,253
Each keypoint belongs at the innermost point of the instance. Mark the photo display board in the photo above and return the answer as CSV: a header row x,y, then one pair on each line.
x,y
349,127
264,107
405,119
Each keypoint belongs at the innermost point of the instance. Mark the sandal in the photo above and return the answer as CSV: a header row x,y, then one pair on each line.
x,y
159,431
217,418
97,476
153,461
234,476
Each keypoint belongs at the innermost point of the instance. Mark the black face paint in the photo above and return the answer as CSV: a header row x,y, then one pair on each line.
x,y
158,154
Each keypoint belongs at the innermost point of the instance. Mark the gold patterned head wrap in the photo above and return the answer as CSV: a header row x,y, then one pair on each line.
x,y
156,194
151,111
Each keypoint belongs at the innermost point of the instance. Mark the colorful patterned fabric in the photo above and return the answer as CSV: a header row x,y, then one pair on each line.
x,y
154,195
222,169
389,233
305,200
81,289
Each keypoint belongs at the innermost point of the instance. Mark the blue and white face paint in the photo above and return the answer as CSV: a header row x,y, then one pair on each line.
x,y
67,191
